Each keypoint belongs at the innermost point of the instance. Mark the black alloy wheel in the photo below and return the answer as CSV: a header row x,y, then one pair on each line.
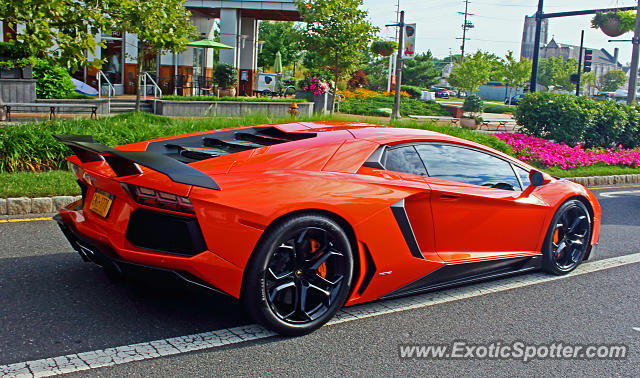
x,y
568,238
300,275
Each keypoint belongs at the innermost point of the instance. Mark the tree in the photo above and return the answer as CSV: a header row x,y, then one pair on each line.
x,y
59,30
337,31
555,73
515,74
470,75
612,80
377,70
278,36
420,71
588,81
161,25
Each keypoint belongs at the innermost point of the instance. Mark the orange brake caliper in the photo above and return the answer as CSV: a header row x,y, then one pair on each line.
x,y
322,269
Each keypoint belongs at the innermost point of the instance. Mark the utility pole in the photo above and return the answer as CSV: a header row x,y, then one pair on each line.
x,y
635,55
533,83
391,68
396,102
465,26
580,65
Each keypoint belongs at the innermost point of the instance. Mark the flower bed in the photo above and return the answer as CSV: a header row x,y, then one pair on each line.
x,y
551,154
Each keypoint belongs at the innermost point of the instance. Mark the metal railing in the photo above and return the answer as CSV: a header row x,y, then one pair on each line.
x,y
111,90
157,91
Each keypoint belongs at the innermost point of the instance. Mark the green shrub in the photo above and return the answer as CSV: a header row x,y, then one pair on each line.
x,y
30,147
13,50
607,121
473,104
552,116
415,92
225,75
501,109
52,81
565,118
372,106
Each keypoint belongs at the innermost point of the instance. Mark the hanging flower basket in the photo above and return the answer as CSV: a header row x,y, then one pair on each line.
x,y
614,24
384,48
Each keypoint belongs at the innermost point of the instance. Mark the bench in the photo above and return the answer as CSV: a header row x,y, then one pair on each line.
x,y
8,106
453,120
501,123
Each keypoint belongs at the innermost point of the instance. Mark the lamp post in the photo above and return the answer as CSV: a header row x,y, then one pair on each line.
x,y
396,102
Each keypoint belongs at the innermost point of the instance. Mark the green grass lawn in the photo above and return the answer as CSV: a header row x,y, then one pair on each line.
x,y
593,170
34,139
43,184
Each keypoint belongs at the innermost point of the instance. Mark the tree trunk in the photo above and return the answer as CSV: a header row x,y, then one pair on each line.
x,y
335,90
510,96
139,79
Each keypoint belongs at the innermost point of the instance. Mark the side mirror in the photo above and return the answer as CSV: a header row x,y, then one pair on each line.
x,y
536,178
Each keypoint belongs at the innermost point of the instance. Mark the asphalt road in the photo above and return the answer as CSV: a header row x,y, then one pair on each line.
x,y
53,304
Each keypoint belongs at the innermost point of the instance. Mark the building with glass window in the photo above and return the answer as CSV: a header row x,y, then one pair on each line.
x,y
234,22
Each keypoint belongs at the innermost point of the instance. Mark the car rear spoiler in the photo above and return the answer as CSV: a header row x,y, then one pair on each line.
x,y
124,163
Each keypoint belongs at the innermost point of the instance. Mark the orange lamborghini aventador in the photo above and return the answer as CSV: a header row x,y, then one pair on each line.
x,y
299,219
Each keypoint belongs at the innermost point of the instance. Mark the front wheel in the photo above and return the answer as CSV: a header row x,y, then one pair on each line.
x,y
300,275
567,239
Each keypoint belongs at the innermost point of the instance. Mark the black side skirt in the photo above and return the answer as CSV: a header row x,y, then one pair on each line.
x,y
462,273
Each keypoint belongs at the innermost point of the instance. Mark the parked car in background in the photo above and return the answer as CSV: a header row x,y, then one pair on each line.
x,y
515,100
442,93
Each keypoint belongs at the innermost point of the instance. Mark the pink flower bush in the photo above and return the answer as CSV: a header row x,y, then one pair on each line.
x,y
315,85
533,149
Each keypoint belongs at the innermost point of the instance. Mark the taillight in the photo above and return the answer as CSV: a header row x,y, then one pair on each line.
x,y
156,198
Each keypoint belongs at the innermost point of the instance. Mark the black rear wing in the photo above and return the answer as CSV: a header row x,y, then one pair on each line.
x,y
124,163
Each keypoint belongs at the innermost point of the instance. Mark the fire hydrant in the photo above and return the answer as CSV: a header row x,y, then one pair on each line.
x,y
293,109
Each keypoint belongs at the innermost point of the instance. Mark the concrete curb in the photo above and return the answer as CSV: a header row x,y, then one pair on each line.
x,y
39,205
606,180
43,205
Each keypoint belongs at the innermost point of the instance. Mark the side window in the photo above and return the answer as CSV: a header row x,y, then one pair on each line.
x,y
460,164
524,176
404,159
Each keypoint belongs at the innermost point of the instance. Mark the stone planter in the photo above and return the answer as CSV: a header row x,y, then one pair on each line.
x,y
228,108
322,103
14,73
612,28
230,92
303,94
469,123
25,72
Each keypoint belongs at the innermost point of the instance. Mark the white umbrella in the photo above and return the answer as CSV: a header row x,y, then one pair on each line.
x,y
84,88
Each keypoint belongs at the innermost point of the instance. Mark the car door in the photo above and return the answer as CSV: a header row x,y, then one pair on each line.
x,y
414,212
478,204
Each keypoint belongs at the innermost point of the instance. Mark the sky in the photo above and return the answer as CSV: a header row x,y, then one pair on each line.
x,y
498,24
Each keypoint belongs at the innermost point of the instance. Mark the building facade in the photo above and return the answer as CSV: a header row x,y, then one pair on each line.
x,y
602,62
236,23
528,36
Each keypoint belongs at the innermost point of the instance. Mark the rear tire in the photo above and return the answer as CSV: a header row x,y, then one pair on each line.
x,y
300,275
567,239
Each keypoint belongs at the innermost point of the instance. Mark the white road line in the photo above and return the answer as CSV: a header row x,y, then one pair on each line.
x,y
636,329
618,193
208,340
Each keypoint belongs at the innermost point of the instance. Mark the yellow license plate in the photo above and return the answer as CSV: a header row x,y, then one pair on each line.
x,y
101,203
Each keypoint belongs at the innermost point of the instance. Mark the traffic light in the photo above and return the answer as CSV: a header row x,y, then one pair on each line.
x,y
588,58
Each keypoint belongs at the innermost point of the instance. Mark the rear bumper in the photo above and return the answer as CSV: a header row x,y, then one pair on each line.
x,y
107,256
